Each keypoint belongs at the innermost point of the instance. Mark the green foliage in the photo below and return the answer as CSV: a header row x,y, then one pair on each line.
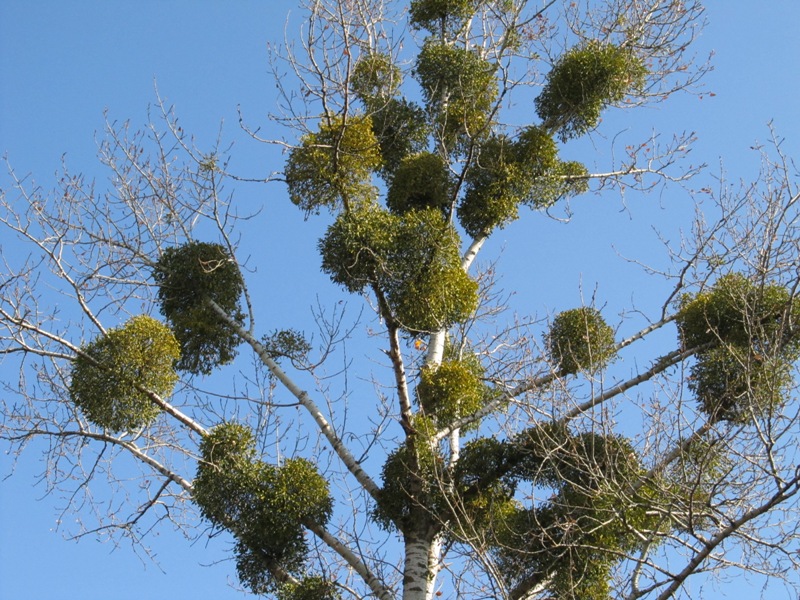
x,y
585,81
187,277
308,588
375,79
737,311
421,181
580,340
401,129
264,506
414,259
507,173
433,15
571,541
459,88
334,165
747,341
413,478
451,389
357,246
287,343
426,287
737,384
109,376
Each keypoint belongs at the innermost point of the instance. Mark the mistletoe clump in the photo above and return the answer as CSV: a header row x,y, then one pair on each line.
x,y
188,277
571,542
434,14
114,374
451,389
334,165
421,181
583,82
510,172
413,260
737,311
459,87
266,507
580,340
308,588
746,341
412,481
376,79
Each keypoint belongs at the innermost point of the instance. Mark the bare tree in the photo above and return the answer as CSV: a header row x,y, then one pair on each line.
x,y
474,453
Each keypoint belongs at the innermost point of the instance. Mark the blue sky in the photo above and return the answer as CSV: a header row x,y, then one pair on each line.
x,y
63,63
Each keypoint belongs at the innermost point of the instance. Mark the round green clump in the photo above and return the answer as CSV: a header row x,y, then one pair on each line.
x,y
412,481
309,588
402,129
426,287
459,88
495,186
451,390
421,181
113,374
580,340
375,79
737,311
413,259
738,384
334,165
510,172
357,246
265,506
585,81
188,276
431,14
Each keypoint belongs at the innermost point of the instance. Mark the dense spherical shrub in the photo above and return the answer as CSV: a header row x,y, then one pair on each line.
x,y
111,377
429,14
451,389
580,340
266,507
459,88
334,165
585,81
188,276
413,259
375,79
421,181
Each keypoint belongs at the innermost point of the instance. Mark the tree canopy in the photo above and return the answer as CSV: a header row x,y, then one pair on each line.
x,y
462,450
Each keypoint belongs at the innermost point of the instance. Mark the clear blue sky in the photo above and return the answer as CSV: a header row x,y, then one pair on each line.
x,y
63,63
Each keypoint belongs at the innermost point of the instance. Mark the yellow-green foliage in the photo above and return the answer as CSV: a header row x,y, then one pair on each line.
x,y
433,14
421,181
580,340
401,128
585,81
573,539
412,481
308,588
334,165
451,390
459,88
507,173
357,246
747,341
426,287
733,383
109,377
187,277
414,259
375,79
265,506
736,311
